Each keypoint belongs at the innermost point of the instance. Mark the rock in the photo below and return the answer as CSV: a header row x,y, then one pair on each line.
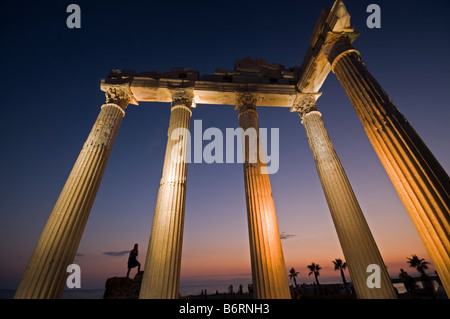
x,y
123,287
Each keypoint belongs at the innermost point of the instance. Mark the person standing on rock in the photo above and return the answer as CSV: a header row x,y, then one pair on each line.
x,y
132,260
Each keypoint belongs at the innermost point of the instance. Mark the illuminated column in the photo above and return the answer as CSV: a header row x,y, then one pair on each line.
x,y
45,275
163,263
421,182
355,237
268,269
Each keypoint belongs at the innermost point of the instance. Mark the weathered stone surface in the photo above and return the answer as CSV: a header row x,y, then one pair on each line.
x,y
45,274
276,82
267,260
123,287
358,245
416,174
163,262
332,24
421,182
418,177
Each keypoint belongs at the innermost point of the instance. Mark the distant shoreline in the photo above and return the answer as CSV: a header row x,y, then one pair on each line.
x,y
221,291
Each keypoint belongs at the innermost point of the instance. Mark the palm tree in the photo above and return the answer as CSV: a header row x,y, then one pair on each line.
x,y
340,265
293,274
419,263
314,269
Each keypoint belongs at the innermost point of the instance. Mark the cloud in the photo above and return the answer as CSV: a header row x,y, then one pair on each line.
x,y
283,235
116,253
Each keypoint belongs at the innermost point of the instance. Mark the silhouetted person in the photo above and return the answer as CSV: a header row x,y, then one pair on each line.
x,y
132,261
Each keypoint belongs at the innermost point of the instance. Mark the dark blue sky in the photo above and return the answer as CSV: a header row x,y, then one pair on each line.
x,y
51,78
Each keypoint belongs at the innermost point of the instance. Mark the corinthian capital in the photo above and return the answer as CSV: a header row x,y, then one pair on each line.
x,y
305,103
119,94
183,97
246,101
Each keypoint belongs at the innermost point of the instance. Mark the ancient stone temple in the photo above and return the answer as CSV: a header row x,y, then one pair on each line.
x,y
419,179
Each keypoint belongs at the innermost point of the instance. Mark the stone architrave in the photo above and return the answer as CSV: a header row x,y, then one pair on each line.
x,y
421,182
163,262
268,268
357,243
46,273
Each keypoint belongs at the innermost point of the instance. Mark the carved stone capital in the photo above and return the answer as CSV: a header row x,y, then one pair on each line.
x,y
305,103
246,101
183,97
119,94
338,43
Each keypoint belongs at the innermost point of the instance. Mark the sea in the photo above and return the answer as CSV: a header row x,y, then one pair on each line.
x,y
187,290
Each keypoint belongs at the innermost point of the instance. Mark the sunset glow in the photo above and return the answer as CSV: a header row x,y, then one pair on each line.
x,y
52,75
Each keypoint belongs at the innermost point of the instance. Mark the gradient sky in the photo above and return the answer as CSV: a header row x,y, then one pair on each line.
x,y
51,98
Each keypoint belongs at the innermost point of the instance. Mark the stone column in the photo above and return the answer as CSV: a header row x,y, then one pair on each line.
x,y
355,237
421,182
268,269
163,263
46,273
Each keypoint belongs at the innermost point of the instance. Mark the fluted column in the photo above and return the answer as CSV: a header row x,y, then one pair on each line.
x,y
45,275
421,182
268,268
163,263
355,237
